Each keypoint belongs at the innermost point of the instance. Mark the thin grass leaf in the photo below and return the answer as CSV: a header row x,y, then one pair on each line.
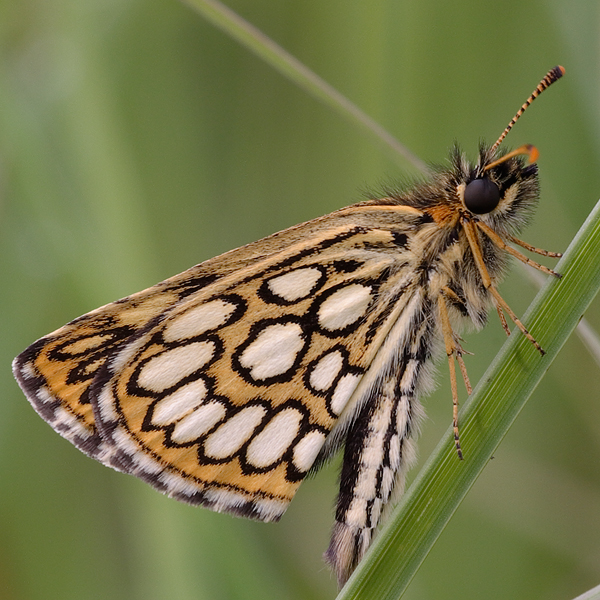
x,y
593,594
444,481
289,66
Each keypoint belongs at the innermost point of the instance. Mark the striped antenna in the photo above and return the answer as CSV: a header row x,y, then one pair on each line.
x,y
549,79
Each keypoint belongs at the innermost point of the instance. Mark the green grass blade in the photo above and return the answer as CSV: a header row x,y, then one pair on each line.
x,y
502,392
289,66
593,594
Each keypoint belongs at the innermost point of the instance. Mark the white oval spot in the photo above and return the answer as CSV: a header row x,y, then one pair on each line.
x,y
274,350
198,320
388,479
343,390
166,369
178,404
234,433
198,423
357,512
344,307
375,513
394,452
403,414
295,284
272,442
407,383
307,450
326,370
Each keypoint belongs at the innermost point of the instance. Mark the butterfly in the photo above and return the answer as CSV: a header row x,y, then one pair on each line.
x,y
225,385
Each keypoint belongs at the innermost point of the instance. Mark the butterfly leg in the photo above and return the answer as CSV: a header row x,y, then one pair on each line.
x,y
378,452
453,350
502,320
531,248
524,259
471,233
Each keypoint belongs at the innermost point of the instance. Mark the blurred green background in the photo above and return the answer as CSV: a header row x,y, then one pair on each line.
x,y
136,140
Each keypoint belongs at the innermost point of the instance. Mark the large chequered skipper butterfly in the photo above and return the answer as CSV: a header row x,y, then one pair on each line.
x,y
225,385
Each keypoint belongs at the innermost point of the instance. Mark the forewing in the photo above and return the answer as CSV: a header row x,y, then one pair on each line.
x,y
224,394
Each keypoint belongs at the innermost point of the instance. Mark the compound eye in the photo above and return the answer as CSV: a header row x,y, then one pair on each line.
x,y
482,196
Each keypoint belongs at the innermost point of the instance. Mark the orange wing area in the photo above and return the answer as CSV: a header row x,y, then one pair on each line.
x,y
56,372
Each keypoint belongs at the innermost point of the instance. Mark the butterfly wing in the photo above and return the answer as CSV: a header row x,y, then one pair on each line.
x,y
57,371
221,385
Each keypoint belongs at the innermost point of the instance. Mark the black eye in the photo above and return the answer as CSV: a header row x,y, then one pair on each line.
x,y
482,196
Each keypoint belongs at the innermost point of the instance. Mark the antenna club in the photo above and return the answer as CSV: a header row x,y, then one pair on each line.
x,y
528,150
552,75
532,153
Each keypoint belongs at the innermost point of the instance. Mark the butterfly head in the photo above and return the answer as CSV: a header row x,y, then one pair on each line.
x,y
501,188
501,182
